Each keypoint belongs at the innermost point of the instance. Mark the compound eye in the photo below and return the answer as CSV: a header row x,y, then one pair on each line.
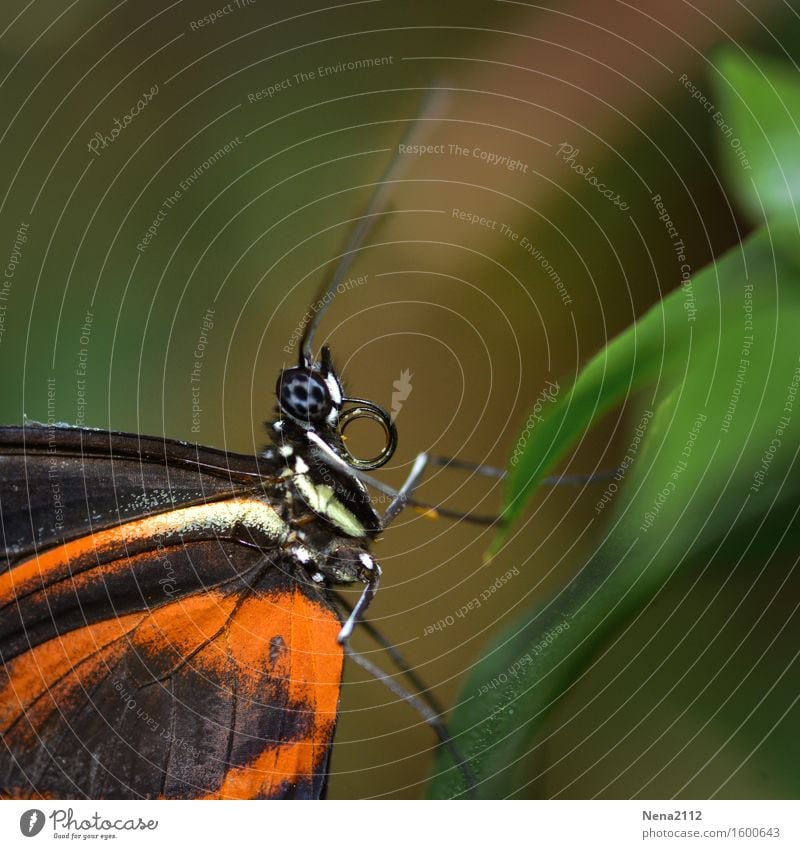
x,y
303,394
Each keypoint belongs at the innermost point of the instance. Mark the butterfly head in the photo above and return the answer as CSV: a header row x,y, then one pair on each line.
x,y
311,398
311,393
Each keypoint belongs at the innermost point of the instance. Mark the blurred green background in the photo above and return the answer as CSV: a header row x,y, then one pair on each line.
x,y
474,317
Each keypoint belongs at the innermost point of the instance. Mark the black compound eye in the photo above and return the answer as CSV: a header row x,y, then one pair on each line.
x,y
302,393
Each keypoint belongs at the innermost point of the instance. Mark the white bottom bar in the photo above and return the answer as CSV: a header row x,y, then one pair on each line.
x,y
403,825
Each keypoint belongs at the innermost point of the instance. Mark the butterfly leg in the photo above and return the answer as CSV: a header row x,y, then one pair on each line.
x,y
431,717
404,497
423,691
370,574
424,704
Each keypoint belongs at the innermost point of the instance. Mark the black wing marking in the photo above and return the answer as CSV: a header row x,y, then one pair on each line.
x,y
58,483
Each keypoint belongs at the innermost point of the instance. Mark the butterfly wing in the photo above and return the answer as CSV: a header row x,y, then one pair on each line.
x,y
60,482
179,669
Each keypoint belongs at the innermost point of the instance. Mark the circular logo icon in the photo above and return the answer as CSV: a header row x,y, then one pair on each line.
x,y
31,822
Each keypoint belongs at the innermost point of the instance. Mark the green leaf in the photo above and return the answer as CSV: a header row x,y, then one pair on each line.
x,y
632,360
719,455
759,126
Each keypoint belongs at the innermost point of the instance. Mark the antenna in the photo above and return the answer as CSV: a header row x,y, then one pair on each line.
x,y
415,133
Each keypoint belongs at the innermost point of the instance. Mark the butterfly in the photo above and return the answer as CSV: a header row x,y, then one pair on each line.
x,y
165,622
168,627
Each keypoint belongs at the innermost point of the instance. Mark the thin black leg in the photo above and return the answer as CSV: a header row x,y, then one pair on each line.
x,y
372,579
403,497
432,719
423,691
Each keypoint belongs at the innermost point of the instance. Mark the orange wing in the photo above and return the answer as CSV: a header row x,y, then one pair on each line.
x,y
142,658
217,695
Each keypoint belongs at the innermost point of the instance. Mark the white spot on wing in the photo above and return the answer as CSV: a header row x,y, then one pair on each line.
x,y
220,518
301,554
300,466
366,560
286,450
